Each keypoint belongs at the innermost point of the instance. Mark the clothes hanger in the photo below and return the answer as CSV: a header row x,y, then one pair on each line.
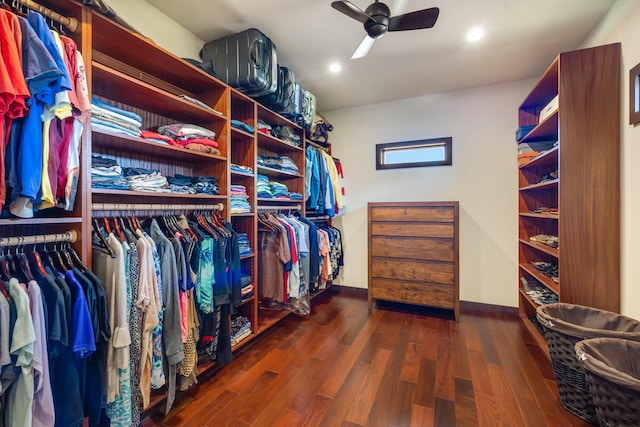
x,y
35,257
4,271
58,260
97,232
23,262
118,232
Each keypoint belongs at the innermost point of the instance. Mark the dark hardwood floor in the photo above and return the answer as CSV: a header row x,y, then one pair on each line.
x,y
344,367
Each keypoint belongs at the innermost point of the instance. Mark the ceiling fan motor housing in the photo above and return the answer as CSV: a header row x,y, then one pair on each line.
x,y
377,26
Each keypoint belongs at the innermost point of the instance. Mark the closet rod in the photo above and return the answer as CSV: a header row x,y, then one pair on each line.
x,y
280,208
154,207
68,236
318,218
69,22
315,144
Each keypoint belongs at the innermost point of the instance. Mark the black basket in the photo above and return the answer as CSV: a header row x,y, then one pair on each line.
x,y
612,368
566,324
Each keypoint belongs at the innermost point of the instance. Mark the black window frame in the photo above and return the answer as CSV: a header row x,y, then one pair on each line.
x,y
447,142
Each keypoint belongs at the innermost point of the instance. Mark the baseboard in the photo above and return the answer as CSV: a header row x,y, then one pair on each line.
x,y
470,306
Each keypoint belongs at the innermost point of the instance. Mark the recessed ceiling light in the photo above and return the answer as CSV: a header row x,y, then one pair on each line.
x,y
335,67
475,34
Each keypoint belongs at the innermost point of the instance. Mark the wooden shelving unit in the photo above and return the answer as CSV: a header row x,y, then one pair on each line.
x,y
586,191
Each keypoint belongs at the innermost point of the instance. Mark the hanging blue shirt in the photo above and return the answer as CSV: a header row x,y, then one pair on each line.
x,y
43,86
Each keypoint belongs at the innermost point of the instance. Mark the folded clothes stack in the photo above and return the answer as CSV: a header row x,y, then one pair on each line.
x,y
107,117
279,190
239,200
264,191
295,196
184,184
241,169
107,174
247,286
242,126
244,247
147,180
282,163
240,329
189,136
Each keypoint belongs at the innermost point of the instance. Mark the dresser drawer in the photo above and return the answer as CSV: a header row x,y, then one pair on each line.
x,y
410,270
412,248
424,229
430,294
426,214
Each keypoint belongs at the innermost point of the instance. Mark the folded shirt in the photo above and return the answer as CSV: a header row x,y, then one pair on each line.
x,y
242,126
95,102
182,131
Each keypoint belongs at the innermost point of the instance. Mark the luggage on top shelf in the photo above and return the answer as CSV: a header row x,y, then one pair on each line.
x,y
309,111
304,109
246,61
281,101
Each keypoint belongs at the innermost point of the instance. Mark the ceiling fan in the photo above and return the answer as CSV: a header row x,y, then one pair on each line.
x,y
377,21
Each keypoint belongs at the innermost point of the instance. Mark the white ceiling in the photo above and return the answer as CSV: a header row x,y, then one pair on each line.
x,y
522,38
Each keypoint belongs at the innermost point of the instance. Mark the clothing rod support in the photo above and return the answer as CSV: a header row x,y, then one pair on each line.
x,y
69,236
154,207
70,23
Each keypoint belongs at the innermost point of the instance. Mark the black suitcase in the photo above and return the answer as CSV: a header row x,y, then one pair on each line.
x,y
272,101
246,61
281,101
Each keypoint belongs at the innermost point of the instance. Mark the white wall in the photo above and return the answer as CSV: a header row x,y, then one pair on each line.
x,y
157,26
483,178
622,25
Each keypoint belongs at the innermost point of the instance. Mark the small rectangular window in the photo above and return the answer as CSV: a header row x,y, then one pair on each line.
x,y
413,154
634,95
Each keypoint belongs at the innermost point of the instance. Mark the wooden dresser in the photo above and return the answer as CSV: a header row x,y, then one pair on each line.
x,y
413,253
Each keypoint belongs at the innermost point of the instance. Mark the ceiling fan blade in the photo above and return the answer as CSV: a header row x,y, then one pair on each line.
x,y
351,10
363,47
417,20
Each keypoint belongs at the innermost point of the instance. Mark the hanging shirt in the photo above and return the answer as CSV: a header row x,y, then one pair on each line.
x,y
43,90
5,359
43,410
13,88
19,399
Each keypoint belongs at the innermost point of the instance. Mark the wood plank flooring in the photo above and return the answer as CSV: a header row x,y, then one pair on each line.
x,y
399,366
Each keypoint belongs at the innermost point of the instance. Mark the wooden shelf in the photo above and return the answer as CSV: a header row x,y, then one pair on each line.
x,y
136,93
273,118
274,144
158,196
266,200
115,40
544,280
105,140
242,174
539,215
247,256
542,247
545,89
239,132
267,318
547,158
277,173
243,215
40,221
547,185
547,130
246,340
535,333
